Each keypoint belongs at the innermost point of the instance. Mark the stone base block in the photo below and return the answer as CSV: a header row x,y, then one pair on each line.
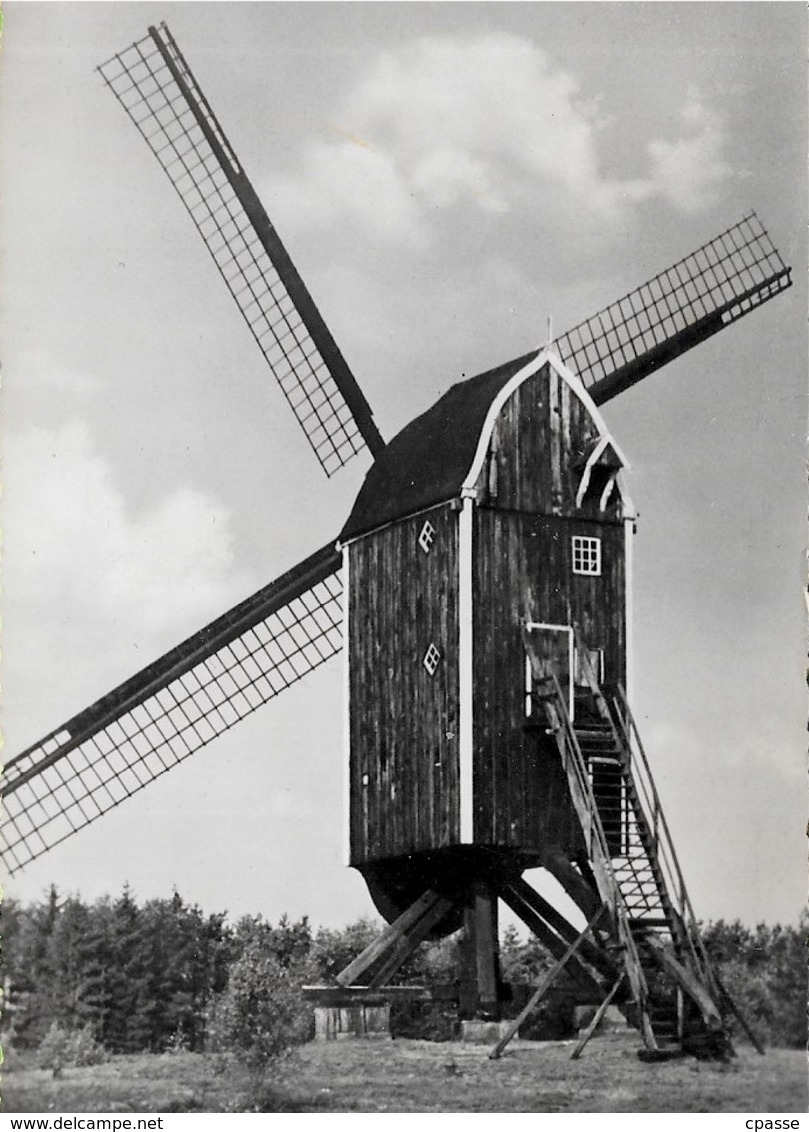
x,y
613,1019
338,1023
480,1031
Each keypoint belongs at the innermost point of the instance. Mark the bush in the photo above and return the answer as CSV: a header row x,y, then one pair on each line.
x,y
777,1018
764,971
426,1021
332,951
262,1012
62,1048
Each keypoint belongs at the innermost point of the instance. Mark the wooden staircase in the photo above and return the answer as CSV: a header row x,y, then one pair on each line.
x,y
635,869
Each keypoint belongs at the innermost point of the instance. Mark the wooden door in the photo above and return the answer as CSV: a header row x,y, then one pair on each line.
x,y
548,652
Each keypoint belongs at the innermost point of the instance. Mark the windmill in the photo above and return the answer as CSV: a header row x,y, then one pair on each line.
x,y
442,825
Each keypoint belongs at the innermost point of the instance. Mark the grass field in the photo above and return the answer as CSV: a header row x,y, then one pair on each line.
x,y
413,1076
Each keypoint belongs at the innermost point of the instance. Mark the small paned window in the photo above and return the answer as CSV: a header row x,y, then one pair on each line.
x,y
431,660
586,555
427,536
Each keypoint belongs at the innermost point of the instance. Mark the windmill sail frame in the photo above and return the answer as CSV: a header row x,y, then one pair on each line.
x,y
227,670
695,298
172,708
157,89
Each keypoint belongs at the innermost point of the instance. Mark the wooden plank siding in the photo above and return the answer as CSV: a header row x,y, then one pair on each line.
x,y
403,723
522,572
537,452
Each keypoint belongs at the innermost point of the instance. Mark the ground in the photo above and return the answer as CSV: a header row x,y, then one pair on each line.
x,y
416,1076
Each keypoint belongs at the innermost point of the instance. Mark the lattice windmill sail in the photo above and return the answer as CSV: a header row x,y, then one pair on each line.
x,y
694,299
166,712
156,87
428,538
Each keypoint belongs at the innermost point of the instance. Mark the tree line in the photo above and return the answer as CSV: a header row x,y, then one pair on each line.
x,y
162,974
137,976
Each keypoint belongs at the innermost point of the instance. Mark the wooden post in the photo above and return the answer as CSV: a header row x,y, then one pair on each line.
x,y
480,990
486,948
547,981
599,1014
468,997
745,1025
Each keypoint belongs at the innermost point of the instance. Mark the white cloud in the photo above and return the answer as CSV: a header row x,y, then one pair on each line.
x,y
73,546
494,99
487,121
347,180
690,171
443,175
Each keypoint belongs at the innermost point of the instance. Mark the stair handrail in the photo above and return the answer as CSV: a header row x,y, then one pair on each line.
x,y
639,760
651,815
691,932
685,927
596,843
652,827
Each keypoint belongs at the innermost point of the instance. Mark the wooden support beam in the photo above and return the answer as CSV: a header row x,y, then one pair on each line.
x,y
745,1025
599,1014
389,937
593,954
349,996
686,979
555,944
578,889
406,943
486,946
548,979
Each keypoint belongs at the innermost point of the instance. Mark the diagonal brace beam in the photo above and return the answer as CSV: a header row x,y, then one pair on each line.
x,y
430,907
546,983
599,1014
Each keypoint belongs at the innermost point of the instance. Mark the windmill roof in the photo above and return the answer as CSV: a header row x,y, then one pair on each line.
x,y
426,463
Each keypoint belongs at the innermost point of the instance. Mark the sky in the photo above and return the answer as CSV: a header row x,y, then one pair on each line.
x,y
445,177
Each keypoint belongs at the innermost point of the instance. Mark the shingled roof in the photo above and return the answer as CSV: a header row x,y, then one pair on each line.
x,y
426,463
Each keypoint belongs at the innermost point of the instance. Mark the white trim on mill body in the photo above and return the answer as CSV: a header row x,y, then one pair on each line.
x,y
465,674
465,562
629,643
550,356
468,486
346,718
604,443
465,579
571,658
575,383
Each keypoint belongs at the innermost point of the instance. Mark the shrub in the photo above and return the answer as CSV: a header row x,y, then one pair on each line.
x,y
764,971
262,1012
62,1048
777,1018
427,1021
334,950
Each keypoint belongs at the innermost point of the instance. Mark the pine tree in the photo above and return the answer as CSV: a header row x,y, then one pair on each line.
x,y
171,933
94,958
127,1024
64,961
35,983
